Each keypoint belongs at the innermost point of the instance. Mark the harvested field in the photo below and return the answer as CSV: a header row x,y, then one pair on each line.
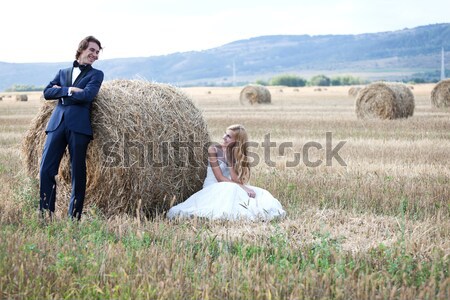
x,y
367,204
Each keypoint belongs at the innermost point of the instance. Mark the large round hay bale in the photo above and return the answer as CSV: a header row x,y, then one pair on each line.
x,y
149,148
21,97
255,94
440,95
385,100
353,91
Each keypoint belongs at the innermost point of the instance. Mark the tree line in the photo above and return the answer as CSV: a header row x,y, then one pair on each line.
x,y
24,88
318,80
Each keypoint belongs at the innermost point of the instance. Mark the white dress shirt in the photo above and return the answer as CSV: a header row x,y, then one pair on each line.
x,y
75,72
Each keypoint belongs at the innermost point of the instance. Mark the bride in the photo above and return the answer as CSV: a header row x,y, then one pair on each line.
x,y
226,193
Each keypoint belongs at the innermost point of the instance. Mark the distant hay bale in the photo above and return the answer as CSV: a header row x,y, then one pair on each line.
x,y
22,97
353,91
317,90
149,148
255,93
296,90
385,101
440,95
1,98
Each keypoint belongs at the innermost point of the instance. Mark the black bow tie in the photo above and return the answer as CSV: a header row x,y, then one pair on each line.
x,y
77,65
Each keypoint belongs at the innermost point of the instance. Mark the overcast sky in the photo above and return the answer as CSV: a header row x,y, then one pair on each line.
x,y
49,31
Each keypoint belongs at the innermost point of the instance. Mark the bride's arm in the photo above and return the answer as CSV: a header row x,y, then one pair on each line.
x,y
212,157
250,192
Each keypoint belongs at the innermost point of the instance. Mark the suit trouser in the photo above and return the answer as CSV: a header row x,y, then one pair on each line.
x,y
54,149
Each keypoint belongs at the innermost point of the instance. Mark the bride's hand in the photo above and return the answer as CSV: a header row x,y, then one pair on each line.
x,y
251,193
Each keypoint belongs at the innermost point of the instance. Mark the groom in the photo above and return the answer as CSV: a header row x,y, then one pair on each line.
x,y
74,88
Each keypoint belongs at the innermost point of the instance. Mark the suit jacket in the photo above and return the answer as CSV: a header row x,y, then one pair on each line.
x,y
76,108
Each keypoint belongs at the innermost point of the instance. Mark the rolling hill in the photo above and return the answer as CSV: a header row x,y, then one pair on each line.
x,y
392,55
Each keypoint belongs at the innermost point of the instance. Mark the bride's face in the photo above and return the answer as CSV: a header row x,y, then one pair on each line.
x,y
229,138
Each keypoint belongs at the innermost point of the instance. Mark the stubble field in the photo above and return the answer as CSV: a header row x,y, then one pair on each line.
x,y
371,222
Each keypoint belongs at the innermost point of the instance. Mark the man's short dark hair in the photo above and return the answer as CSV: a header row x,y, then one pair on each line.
x,y
84,44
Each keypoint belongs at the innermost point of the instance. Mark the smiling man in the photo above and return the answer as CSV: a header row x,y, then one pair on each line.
x,y
75,89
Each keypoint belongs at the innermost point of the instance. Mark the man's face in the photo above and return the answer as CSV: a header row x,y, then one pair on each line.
x,y
89,55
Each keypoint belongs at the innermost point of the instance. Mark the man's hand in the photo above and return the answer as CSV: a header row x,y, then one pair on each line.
x,y
56,86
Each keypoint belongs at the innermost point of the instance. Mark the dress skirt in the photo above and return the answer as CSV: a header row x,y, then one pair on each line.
x,y
228,201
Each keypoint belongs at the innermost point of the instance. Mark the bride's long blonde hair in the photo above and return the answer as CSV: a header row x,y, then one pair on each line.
x,y
238,153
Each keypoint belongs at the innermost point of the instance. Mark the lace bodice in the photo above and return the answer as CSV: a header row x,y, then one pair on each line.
x,y
210,177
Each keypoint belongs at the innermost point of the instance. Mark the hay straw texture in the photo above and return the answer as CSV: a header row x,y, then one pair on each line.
x,y
353,91
440,95
385,100
22,97
149,149
255,94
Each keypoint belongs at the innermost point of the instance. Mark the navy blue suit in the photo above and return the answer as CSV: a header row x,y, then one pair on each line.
x,y
69,125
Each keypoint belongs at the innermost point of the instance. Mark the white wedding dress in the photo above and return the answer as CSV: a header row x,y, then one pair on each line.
x,y
227,201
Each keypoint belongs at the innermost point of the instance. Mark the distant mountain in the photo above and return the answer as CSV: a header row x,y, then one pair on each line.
x,y
373,55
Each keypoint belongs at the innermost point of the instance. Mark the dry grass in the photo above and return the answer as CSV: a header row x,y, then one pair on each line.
x,y
376,228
